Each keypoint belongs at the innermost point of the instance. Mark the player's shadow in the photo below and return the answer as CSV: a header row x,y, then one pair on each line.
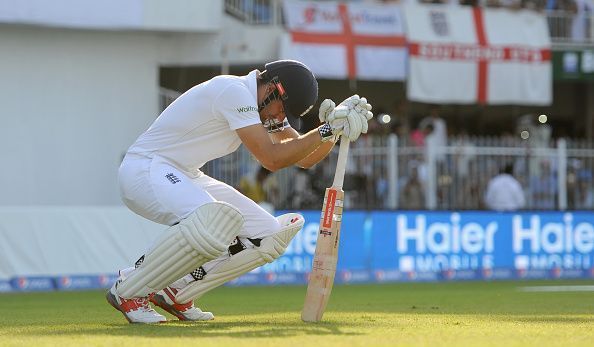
x,y
177,329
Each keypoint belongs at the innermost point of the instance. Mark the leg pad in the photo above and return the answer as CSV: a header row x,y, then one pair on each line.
x,y
202,236
271,248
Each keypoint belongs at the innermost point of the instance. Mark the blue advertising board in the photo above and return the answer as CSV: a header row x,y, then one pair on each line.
x,y
526,243
386,246
393,246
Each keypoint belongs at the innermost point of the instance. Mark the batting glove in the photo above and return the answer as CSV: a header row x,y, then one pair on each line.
x,y
326,107
356,121
363,109
325,112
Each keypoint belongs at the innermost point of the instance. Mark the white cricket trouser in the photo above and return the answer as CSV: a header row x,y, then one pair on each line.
x,y
158,191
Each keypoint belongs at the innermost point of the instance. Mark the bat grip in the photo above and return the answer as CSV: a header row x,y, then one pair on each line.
x,y
343,154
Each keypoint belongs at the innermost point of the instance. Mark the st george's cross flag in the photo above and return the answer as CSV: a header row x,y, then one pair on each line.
x,y
470,55
340,40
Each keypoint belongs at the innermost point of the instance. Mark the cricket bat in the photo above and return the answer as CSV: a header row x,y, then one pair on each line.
x,y
321,278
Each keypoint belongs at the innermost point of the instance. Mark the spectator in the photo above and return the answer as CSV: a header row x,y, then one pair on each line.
x,y
272,190
543,187
534,5
253,186
584,194
465,151
509,4
580,26
400,124
539,136
440,131
412,195
435,138
504,192
303,196
417,136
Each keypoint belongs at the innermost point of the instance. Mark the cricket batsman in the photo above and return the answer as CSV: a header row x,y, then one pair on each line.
x,y
216,234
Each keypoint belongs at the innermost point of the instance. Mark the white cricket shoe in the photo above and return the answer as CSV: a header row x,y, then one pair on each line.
x,y
165,299
136,310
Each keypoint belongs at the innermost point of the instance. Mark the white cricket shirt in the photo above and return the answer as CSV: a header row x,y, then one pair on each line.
x,y
504,193
200,125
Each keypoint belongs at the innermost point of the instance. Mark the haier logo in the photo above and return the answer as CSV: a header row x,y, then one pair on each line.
x,y
553,245
444,245
552,237
438,237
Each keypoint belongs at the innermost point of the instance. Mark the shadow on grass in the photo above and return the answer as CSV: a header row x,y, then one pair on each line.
x,y
200,330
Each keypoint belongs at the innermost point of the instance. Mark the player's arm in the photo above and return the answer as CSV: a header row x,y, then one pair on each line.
x,y
275,156
314,157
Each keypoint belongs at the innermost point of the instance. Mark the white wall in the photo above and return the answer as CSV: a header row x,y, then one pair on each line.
x,y
71,102
247,44
72,240
170,15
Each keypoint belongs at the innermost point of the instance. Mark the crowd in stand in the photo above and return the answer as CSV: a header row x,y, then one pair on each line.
x,y
578,27
576,23
465,178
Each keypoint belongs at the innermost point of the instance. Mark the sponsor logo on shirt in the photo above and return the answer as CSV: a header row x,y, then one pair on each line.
x,y
247,109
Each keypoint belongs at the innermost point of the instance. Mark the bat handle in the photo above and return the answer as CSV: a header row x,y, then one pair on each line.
x,y
343,154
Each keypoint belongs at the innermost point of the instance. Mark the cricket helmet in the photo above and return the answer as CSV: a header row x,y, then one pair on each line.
x,y
296,86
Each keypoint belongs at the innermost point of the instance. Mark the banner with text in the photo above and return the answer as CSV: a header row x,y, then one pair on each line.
x,y
430,246
340,40
474,55
392,246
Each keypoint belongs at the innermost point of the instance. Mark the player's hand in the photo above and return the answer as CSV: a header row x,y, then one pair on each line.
x,y
347,104
326,107
328,111
356,122
349,118
363,109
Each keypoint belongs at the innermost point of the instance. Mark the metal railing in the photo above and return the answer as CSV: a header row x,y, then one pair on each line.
x,y
382,175
565,27
255,12
568,28
385,174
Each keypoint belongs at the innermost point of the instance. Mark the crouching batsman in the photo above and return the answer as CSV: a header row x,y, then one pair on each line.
x,y
216,234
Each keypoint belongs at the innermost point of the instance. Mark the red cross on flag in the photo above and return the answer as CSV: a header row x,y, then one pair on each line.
x,y
346,40
471,55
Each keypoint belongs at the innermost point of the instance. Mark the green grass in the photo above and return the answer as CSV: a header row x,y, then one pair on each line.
x,y
425,314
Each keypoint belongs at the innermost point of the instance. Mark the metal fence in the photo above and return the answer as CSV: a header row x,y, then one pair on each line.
x,y
255,12
383,175
565,27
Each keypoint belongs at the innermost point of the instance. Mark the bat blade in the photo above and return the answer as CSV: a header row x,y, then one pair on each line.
x,y
323,271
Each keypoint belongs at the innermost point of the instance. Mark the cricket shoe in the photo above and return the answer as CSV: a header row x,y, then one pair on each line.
x,y
165,299
136,310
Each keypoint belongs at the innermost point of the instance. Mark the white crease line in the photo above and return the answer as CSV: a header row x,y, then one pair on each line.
x,y
557,289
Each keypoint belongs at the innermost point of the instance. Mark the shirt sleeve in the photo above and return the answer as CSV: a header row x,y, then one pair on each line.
x,y
237,106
